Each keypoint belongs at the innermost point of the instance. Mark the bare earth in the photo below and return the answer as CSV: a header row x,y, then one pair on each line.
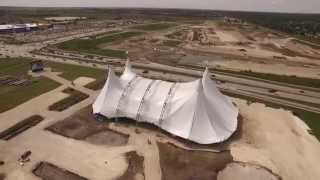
x,y
82,81
277,140
243,171
272,138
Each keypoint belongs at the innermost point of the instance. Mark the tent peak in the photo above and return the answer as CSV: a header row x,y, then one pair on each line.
x,y
206,73
128,67
128,73
128,64
110,71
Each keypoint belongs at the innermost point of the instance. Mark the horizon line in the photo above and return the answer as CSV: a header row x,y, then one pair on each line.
x,y
171,8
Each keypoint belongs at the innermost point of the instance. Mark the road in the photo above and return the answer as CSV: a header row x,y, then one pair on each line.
x,y
281,93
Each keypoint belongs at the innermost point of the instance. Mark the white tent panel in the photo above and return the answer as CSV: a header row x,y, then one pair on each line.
x,y
203,130
154,100
194,110
106,102
180,117
131,102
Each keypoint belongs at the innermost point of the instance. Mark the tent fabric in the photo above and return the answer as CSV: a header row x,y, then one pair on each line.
x,y
195,110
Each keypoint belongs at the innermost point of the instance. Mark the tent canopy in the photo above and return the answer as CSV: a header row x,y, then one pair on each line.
x,y
195,110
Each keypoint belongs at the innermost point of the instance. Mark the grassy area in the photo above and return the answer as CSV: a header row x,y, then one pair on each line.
x,y
14,66
12,96
310,118
307,103
298,101
72,72
74,98
294,80
154,27
105,34
171,43
97,84
20,127
91,45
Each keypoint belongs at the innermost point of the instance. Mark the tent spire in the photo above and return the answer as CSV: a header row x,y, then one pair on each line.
x,y
206,73
128,67
128,73
110,71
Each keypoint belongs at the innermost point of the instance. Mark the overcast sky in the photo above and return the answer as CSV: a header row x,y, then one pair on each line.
x,y
301,6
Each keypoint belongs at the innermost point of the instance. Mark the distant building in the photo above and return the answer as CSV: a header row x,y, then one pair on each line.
x,y
37,66
67,18
63,20
18,28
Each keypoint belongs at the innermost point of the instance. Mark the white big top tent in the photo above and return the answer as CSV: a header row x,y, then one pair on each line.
x,y
195,110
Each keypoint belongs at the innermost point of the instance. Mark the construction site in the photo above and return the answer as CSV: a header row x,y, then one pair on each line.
x,y
160,98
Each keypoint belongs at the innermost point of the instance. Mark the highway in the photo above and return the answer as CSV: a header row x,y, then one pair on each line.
x,y
284,94
263,90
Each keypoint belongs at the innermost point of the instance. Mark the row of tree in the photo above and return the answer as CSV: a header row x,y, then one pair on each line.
x,y
306,25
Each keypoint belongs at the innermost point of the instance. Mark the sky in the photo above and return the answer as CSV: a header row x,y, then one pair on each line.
x,y
299,6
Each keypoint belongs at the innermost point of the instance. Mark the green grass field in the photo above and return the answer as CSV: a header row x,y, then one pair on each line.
x,y
91,46
154,27
294,80
12,96
72,72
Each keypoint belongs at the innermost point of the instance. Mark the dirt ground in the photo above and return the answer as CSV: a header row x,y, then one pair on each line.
x,y
108,137
181,164
82,81
83,126
272,139
78,126
47,171
246,171
20,127
240,48
277,140
2,176
135,169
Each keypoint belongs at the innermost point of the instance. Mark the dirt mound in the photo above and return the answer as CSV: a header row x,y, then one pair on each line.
x,y
240,171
